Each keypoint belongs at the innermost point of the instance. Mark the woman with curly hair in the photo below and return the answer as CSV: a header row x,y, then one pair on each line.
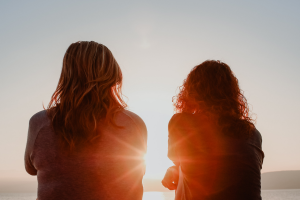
x,y
86,146
213,142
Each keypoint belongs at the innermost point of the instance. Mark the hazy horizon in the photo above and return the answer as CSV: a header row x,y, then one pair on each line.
x,y
156,44
270,181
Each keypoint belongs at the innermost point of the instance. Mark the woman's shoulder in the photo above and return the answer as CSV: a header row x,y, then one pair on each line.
x,y
189,121
175,118
255,138
39,119
131,116
179,119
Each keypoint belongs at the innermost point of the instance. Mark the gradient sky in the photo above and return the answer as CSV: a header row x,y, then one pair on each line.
x,y
156,44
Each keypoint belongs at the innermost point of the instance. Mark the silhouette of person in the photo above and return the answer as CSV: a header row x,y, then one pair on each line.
x,y
216,149
85,145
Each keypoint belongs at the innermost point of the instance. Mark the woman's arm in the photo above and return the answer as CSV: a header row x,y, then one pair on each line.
x,y
142,136
173,139
29,148
36,122
170,180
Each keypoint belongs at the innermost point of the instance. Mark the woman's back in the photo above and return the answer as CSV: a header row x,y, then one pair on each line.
x,y
212,138
214,165
111,167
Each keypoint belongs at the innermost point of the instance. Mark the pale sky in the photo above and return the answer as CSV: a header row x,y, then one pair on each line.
x,y
156,44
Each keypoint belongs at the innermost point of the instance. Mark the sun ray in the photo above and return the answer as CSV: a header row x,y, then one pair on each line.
x,y
127,173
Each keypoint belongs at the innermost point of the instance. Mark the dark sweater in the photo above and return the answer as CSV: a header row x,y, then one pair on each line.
x,y
214,166
111,168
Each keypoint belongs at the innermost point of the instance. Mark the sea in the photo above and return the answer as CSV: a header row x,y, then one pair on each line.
x,y
266,195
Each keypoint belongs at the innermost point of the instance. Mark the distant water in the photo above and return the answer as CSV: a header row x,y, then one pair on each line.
x,y
266,195
17,196
159,195
280,194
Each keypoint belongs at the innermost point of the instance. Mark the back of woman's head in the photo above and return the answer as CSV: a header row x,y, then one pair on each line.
x,y
88,91
212,89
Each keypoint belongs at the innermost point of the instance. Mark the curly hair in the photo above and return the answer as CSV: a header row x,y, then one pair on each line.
x,y
88,91
212,89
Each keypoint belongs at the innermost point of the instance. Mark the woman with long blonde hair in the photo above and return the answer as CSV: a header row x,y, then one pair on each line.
x,y
216,149
85,145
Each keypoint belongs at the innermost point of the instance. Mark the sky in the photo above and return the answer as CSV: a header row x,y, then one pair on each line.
x,y
156,44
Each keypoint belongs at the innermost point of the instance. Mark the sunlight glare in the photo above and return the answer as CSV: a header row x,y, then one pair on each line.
x,y
156,164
